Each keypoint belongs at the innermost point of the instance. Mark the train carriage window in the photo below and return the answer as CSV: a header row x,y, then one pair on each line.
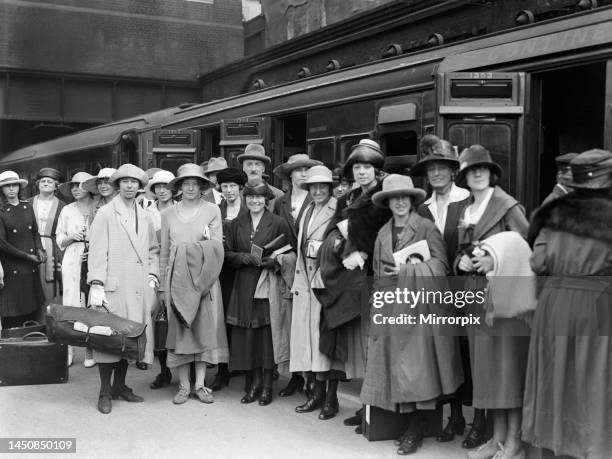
x,y
400,143
323,150
172,162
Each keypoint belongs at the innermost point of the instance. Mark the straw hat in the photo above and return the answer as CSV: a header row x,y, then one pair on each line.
x,y
233,175
129,171
294,162
161,176
475,155
189,170
442,152
317,174
214,165
254,151
51,173
366,151
10,177
80,178
91,185
397,185
592,170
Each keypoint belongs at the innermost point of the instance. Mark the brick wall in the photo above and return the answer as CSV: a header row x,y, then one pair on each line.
x,y
169,39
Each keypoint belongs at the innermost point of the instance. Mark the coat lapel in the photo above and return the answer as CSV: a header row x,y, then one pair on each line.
x,y
264,229
496,209
322,219
128,226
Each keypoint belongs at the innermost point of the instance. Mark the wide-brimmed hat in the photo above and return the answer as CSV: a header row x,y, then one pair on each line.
x,y
565,160
161,176
80,178
317,174
442,152
366,151
592,170
10,177
475,155
294,162
129,171
397,185
254,151
257,188
231,174
214,165
189,170
91,185
51,173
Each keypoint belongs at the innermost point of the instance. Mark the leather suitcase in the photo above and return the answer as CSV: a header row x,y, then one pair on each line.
x,y
379,424
32,359
29,326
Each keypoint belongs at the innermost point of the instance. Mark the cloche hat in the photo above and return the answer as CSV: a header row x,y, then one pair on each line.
x,y
161,176
231,174
189,170
441,152
257,188
91,185
294,162
10,177
317,174
366,151
50,173
214,165
129,171
475,155
397,185
80,178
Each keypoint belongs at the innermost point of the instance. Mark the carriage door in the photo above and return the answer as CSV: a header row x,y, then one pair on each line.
x,y
172,149
236,134
487,108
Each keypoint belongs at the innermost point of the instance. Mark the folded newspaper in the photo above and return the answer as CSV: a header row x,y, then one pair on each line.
x,y
418,250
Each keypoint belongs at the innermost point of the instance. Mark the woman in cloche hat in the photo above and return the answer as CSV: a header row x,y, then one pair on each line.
x,y
99,185
191,235
569,371
419,365
21,251
72,236
47,208
498,357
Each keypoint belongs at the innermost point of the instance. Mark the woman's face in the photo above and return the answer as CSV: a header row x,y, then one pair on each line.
x,y
11,191
77,192
319,192
256,204
191,188
128,187
341,189
162,193
230,190
478,178
400,205
439,175
298,175
364,174
104,188
47,185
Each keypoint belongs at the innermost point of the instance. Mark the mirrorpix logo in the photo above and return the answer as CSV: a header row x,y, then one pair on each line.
x,y
411,299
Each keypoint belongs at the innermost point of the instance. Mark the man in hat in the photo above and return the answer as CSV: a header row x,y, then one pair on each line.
x,y
123,264
564,176
211,168
254,161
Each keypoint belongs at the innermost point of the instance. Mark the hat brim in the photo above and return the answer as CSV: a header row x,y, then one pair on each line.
x,y
284,170
493,167
175,182
22,183
244,156
91,185
152,183
420,168
320,179
602,183
381,198
215,170
65,188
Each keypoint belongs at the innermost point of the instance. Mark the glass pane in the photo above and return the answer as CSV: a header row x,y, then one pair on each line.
x,y
401,143
497,138
322,150
172,163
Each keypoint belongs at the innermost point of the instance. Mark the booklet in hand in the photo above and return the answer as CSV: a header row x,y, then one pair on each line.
x,y
275,244
257,251
419,250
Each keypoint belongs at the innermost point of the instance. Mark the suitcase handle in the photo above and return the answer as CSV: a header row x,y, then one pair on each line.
x,y
27,323
39,334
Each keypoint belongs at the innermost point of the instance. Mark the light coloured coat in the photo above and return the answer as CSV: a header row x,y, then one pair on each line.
x,y
122,259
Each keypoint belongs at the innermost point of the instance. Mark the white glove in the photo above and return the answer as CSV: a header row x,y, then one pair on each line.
x,y
153,281
353,260
97,297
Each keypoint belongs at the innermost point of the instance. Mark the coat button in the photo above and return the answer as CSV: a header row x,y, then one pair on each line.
x,y
31,250
33,270
296,293
14,272
14,231
310,268
297,271
29,227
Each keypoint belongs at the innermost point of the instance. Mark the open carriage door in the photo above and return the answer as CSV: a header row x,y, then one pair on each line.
x,y
488,108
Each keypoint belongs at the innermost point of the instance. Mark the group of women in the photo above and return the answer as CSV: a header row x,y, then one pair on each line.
x,y
252,290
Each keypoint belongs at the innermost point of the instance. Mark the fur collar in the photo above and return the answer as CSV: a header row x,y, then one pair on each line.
x,y
579,214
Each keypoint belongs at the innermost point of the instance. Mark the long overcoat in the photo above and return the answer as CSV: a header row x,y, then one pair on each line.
x,y
305,322
282,208
498,353
122,259
414,366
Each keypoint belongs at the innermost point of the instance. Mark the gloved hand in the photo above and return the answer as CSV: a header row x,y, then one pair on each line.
x,y
248,259
353,260
268,263
153,281
97,297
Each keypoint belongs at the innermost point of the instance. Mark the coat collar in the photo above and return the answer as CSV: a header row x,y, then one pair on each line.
x,y
456,194
498,206
320,219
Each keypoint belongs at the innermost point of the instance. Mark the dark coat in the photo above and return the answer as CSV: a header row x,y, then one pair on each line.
x,y
226,278
242,310
451,226
557,192
22,293
282,208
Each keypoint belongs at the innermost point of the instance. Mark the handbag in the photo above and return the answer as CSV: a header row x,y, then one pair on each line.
x,y
99,330
160,329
